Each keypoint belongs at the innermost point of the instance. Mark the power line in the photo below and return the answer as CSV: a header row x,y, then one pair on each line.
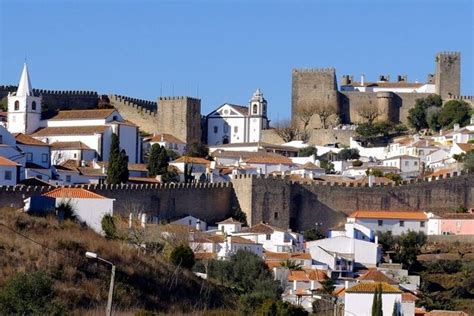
x,y
33,241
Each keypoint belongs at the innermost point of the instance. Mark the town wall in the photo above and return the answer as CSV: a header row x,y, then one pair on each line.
x,y
141,113
318,136
210,202
448,74
274,200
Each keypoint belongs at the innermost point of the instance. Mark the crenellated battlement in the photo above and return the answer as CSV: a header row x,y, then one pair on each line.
x,y
179,98
65,92
462,97
448,53
331,70
144,106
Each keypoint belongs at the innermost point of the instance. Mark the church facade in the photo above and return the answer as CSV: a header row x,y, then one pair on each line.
x,y
232,123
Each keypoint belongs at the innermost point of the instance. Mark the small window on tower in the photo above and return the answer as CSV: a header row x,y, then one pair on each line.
x,y
255,109
33,105
17,105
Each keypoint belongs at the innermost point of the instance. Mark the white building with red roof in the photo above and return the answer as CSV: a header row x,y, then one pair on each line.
x,y
9,171
397,222
88,207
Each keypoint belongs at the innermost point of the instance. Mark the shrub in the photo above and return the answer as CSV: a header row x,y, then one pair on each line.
x,y
29,294
313,234
348,154
65,210
307,151
108,226
182,256
357,163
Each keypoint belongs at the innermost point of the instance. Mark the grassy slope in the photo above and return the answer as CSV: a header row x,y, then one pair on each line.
x,y
142,281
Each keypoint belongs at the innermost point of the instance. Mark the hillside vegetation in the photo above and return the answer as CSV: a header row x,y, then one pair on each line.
x,y
143,281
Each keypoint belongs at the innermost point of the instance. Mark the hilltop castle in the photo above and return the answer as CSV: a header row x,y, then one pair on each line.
x,y
317,88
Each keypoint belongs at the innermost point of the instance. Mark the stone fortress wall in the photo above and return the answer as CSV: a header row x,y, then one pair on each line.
x,y
275,200
318,88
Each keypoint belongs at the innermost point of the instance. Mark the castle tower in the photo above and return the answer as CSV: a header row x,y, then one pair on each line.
x,y
24,109
180,117
448,74
313,88
386,106
258,120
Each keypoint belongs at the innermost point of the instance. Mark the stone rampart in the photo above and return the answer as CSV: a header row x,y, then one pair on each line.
x,y
140,112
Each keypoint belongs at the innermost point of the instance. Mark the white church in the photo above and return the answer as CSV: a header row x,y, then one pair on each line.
x,y
238,124
73,134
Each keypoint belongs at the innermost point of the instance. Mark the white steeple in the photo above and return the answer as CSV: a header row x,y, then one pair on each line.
x,y
24,87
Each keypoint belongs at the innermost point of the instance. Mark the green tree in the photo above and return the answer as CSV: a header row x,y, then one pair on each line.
x,y
395,177
307,151
432,118
408,247
348,154
108,226
65,210
291,265
4,104
469,162
29,293
327,165
188,173
182,256
117,171
328,286
313,234
377,301
154,162
454,112
197,150
238,215
417,115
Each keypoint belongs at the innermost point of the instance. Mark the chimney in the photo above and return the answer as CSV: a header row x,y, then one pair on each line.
x,y
83,163
198,224
346,284
362,79
456,126
371,179
143,220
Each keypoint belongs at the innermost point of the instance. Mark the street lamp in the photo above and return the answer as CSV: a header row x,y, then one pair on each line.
x,y
93,255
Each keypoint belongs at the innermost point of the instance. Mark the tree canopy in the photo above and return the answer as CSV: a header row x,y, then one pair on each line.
x,y
454,112
197,150
417,116
348,154
158,160
307,151
117,171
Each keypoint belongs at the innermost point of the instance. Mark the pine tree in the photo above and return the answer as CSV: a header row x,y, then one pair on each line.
x,y
117,171
153,160
375,303
379,301
163,161
114,161
395,311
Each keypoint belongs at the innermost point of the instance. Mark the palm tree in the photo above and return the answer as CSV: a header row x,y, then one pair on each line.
x,y
291,265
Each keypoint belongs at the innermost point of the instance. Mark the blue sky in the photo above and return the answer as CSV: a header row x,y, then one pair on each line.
x,y
224,50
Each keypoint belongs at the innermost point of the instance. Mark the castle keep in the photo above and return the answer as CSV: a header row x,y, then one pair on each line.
x,y
317,88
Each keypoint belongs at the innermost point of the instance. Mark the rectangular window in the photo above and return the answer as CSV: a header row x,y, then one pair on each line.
x,y
1,139
226,128
44,157
216,129
380,222
422,224
236,129
406,163
269,236
29,157
68,178
275,215
75,155
8,175
415,163
402,223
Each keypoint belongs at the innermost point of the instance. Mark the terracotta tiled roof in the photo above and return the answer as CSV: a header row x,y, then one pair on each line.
x,y
69,145
269,159
417,215
164,138
370,287
91,172
261,228
339,292
466,147
273,264
446,313
71,130
234,239
402,157
408,297
28,140
205,255
297,276
376,276
69,164
195,160
137,167
316,275
287,255
73,193
142,180
7,162
310,166
229,220
84,114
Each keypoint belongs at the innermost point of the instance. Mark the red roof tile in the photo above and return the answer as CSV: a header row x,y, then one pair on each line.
x,y
73,193
417,215
7,162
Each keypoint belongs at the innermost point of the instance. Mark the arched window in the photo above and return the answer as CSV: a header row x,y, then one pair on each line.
x,y
17,105
255,109
225,140
33,105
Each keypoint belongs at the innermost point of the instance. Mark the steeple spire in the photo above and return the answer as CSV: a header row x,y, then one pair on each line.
x,y
24,87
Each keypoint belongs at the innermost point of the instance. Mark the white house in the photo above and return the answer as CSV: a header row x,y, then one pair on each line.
x,y
76,150
409,165
223,246
287,151
358,299
238,124
397,222
460,148
341,254
308,170
272,238
89,207
191,221
270,163
229,226
165,140
9,171
199,167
